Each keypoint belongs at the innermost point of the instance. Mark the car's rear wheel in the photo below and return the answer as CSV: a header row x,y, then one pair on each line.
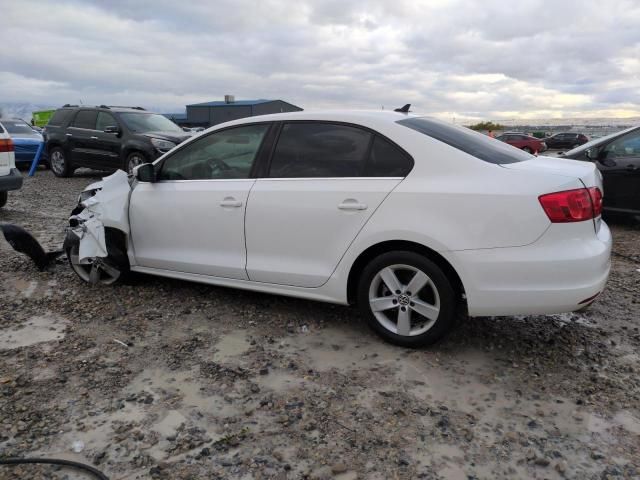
x,y
133,160
60,164
4,196
406,299
527,149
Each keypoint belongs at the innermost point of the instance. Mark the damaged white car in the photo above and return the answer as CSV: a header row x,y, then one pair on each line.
x,y
408,217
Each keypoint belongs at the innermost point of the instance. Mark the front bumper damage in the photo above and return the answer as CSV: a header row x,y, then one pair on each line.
x,y
102,205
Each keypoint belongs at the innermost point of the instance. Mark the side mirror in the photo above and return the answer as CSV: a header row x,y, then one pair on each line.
x,y
145,173
112,129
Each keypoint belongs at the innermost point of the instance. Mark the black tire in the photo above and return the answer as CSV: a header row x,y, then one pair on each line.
x,y
4,196
134,159
60,164
527,149
439,287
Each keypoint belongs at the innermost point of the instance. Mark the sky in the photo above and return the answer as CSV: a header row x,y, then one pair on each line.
x,y
449,58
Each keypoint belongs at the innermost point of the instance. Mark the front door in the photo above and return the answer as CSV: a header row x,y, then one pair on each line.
x,y
192,218
324,182
620,167
105,147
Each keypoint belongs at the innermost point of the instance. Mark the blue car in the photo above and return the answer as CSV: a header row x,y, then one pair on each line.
x,y
25,139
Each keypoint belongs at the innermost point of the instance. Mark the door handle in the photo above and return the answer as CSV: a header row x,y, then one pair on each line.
x,y
69,134
230,202
94,138
632,167
352,204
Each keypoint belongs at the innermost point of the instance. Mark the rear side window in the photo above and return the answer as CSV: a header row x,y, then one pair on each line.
x,y
60,117
85,119
387,160
476,144
315,150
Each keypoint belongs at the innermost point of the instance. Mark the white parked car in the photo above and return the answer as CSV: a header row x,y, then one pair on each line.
x,y
10,177
409,217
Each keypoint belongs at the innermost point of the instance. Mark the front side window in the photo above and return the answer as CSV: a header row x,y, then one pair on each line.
x,y
227,154
85,119
105,120
627,146
319,150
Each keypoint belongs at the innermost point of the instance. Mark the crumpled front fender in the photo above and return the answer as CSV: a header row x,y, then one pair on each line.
x,y
108,208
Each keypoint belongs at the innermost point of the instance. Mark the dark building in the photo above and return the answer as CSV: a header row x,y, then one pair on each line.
x,y
211,113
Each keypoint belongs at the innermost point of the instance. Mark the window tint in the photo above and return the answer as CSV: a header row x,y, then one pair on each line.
x,y
307,150
627,146
226,154
465,139
85,119
387,160
60,117
105,120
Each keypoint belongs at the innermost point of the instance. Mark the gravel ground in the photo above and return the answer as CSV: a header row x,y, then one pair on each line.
x,y
166,379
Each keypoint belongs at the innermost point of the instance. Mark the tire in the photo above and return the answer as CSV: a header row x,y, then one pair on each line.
x,y
527,149
133,160
435,297
60,164
4,196
106,271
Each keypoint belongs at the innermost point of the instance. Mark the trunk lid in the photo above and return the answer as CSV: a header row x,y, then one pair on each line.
x,y
585,171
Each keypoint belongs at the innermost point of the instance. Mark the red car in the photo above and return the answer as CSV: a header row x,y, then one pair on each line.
x,y
524,142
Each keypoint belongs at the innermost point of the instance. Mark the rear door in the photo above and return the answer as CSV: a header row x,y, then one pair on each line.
x,y
79,134
323,183
619,162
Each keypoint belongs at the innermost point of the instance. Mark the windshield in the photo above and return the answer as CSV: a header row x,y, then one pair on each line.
x,y
18,127
480,146
148,122
598,141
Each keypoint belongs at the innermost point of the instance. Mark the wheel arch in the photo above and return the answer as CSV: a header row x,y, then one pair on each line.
x,y
396,245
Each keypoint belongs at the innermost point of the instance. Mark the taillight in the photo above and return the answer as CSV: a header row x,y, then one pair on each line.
x,y
596,200
6,145
572,205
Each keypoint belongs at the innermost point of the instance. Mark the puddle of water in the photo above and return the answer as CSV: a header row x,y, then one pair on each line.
x,y
231,345
45,328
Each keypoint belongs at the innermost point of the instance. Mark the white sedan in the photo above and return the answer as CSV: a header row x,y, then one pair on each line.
x,y
408,217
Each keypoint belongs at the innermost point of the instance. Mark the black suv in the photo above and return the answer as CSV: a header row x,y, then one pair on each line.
x,y
107,138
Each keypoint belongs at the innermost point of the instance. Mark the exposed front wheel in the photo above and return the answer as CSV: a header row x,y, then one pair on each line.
x,y
406,299
104,271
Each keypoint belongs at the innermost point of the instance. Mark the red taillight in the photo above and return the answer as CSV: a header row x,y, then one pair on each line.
x,y
596,200
568,206
6,145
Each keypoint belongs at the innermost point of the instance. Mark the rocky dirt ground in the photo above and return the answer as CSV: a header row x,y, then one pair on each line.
x,y
166,379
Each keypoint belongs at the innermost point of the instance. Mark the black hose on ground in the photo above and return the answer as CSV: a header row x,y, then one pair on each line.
x,y
55,461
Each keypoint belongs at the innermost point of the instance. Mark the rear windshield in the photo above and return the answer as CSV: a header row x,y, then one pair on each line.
x,y
60,117
18,127
474,143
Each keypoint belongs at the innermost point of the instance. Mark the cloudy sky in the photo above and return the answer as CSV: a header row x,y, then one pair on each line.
x,y
451,58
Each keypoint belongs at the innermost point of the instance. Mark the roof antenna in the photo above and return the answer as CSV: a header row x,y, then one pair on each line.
x,y
404,109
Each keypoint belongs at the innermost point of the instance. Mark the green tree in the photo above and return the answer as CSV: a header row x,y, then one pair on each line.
x,y
486,126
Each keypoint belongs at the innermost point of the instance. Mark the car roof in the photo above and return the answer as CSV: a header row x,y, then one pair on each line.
x,y
106,108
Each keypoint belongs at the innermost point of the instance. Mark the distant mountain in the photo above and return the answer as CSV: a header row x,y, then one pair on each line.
x,y
21,109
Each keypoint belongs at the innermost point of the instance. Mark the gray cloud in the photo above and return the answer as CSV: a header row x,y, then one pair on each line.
x,y
476,59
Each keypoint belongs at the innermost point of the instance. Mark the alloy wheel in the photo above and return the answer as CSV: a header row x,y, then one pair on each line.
x,y
57,162
134,161
98,270
404,300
